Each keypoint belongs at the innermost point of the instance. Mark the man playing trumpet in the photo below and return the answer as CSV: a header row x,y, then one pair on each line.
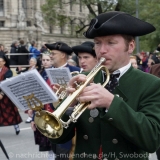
x,y
122,120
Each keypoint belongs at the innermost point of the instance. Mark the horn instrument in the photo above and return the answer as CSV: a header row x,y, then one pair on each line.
x,y
51,124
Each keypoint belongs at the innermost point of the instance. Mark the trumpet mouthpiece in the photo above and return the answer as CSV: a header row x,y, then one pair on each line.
x,y
102,59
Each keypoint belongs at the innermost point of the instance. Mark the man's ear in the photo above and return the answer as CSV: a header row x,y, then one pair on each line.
x,y
131,47
63,55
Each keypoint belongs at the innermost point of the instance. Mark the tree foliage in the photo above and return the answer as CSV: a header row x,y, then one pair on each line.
x,y
147,10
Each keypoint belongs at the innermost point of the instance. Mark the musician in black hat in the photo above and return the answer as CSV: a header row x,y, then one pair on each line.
x,y
122,120
86,55
59,56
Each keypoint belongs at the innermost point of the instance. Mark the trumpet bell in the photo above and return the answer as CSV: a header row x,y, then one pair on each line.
x,y
48,124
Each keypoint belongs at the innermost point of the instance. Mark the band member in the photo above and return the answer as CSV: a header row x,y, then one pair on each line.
x,y
59,56
86,55
9,114
40,139
123,117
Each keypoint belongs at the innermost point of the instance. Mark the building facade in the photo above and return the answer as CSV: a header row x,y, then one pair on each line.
x,y
23,19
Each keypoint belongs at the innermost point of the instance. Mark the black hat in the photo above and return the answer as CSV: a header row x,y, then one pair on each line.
x,y
5,58
60,46
115,22
85,47
155,59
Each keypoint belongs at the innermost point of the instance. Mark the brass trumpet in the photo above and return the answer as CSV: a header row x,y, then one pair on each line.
x,y
50,124
61,91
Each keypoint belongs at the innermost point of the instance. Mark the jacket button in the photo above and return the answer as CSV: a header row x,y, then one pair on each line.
x,y
114,141
85,137
90,119
110,119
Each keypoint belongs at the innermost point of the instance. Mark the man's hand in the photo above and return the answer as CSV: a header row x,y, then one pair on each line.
x,y
55,87
94,93
97,95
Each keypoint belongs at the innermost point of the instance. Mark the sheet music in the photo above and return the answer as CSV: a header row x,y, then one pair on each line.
x,y
59,75
25,84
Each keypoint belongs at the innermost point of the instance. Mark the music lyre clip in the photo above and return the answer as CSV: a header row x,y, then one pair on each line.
x,y
33,102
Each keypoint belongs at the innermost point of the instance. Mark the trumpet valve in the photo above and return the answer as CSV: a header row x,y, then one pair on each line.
x,y
77,85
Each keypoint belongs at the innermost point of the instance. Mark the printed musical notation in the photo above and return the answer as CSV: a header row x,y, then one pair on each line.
x,y
25,84
60,76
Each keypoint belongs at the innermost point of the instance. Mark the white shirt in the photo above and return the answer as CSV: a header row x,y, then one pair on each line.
x,y
122,70
63,65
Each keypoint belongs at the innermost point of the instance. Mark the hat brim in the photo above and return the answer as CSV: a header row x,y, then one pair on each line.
x,y
117,23
64,49
82,49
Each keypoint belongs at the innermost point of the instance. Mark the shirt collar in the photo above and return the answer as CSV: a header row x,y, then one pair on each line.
x,y
122,70
63,65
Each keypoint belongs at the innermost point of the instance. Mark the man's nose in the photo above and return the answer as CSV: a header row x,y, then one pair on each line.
x,y
103,49
82,60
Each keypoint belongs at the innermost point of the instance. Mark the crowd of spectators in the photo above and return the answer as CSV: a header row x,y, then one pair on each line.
x,y
143,60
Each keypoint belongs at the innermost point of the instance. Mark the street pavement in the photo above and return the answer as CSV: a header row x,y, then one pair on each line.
x,y
22,146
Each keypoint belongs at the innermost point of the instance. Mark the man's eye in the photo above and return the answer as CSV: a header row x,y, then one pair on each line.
x,y
97,43
111,42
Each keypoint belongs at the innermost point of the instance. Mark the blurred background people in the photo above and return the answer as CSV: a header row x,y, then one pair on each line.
x,y
14,49
9,114
43,49
22,59
71,62
152,61
133,61
86,55
33,49
32,65
2,52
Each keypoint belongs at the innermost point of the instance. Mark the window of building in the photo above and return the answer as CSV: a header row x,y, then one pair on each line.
x,y
29,23
71,5
72,26
60,4
1,23
80,6
24,4
1,7
61,29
